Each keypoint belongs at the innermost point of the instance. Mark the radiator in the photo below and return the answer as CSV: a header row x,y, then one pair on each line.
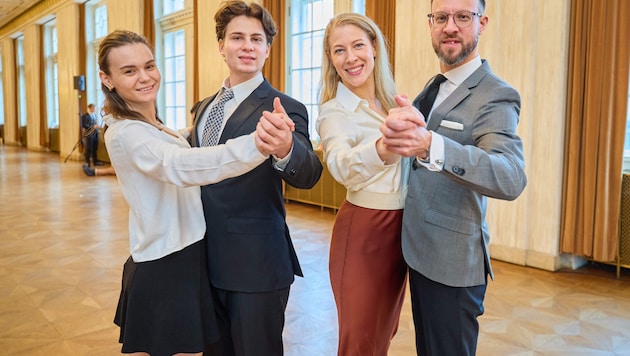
x,y
624,222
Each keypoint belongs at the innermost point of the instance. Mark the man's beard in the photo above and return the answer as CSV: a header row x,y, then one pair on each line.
x,y
467,49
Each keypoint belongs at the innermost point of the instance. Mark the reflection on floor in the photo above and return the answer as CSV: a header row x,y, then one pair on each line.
x,y
63,241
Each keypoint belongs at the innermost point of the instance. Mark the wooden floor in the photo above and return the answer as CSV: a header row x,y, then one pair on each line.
x,y
63,241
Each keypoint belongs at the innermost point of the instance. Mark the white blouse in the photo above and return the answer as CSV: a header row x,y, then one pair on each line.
x,y
349,130
160,174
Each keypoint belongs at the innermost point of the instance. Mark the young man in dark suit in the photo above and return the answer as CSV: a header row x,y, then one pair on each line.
x,y
251,259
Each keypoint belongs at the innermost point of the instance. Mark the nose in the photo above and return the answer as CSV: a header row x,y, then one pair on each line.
x,y
351,56
143,75
450,25
248,45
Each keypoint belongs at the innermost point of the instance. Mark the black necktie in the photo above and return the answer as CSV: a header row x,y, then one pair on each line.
x,y
427,102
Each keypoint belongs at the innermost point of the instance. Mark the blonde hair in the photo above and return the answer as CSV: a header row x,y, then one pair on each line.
x,y
383,77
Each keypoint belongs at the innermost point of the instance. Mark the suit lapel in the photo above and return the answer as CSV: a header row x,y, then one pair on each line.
x,y
461,93
245,110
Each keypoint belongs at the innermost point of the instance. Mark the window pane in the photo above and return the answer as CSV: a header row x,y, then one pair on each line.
x,y
100,21
180,43
180,117
171,6
180,94
180,68
358,6
307,21
169,70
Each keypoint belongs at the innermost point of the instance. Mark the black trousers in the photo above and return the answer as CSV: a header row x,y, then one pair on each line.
x,y
250,324
91,148
445,317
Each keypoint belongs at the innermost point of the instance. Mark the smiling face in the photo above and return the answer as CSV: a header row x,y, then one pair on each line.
x,y
455,46
244,48
134,75
352,54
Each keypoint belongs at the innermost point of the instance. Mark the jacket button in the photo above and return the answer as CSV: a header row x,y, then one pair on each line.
x,y
293,172
458,170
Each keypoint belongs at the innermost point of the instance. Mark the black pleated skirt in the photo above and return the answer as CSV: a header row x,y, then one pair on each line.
x,y
166,305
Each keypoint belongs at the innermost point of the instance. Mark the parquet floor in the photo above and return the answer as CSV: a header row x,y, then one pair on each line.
x,y
63,241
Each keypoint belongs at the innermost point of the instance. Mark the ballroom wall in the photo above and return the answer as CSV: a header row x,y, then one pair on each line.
x,y
525,43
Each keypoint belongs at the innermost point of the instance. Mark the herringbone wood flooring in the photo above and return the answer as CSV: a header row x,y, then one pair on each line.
x,y
63,241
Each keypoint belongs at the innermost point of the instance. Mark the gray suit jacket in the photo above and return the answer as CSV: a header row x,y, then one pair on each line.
x,y
445,235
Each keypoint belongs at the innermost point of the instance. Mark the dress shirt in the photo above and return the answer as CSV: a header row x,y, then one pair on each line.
x,y
160,174
454,78
241,92
349,130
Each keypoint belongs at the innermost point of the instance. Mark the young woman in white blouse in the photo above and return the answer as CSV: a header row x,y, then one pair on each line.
x,y
367,270
165,305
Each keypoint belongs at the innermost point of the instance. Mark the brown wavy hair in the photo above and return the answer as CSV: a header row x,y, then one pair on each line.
x,y
231,9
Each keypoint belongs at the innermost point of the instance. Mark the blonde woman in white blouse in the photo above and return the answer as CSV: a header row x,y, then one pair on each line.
x,y
367,270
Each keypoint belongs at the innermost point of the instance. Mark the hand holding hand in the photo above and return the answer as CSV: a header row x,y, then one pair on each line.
x,y
404,130
274,132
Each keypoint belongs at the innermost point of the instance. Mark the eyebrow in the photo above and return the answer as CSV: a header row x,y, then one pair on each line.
x,y
133,66
256,34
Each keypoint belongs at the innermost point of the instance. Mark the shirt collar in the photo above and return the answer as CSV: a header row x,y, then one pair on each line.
x,y
459,74
244,89
347,98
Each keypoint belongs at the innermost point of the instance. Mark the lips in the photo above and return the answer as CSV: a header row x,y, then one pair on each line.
x,y
451,41
146,89
354,70
247,58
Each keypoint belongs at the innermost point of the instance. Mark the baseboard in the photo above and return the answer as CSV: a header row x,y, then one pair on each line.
x,y
526,258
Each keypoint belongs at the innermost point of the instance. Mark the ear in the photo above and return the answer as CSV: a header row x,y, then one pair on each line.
x,y
267,50
105,79
221,45
483,22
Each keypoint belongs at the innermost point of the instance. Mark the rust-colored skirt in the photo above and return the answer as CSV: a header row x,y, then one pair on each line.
x,y
368,276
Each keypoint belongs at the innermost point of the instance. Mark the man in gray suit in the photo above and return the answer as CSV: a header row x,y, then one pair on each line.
x,y
468,150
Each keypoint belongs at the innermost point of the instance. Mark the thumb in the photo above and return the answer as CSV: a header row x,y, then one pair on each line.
x,y
277,106
402,100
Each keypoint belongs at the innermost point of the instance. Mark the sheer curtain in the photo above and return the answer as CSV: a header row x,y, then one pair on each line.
x,y
595,128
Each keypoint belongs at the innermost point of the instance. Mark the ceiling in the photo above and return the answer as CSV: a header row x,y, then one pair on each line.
x,y
9,9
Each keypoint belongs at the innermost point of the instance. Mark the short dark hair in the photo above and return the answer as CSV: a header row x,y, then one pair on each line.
x,y
233,8
482,5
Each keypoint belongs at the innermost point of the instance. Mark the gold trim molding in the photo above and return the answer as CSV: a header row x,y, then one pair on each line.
x,y
33,15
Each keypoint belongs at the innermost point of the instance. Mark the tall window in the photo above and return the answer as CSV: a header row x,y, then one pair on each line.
x,y
21,83
307,22
173,36
96,27
175,79
52,73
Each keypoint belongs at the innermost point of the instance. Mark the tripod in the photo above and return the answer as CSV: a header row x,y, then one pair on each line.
x,y
80,140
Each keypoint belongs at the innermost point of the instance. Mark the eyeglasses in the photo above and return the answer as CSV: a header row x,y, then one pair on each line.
x,y
461,18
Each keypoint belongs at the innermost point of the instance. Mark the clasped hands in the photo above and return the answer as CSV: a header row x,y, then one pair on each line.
x,y
274,131
404,130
